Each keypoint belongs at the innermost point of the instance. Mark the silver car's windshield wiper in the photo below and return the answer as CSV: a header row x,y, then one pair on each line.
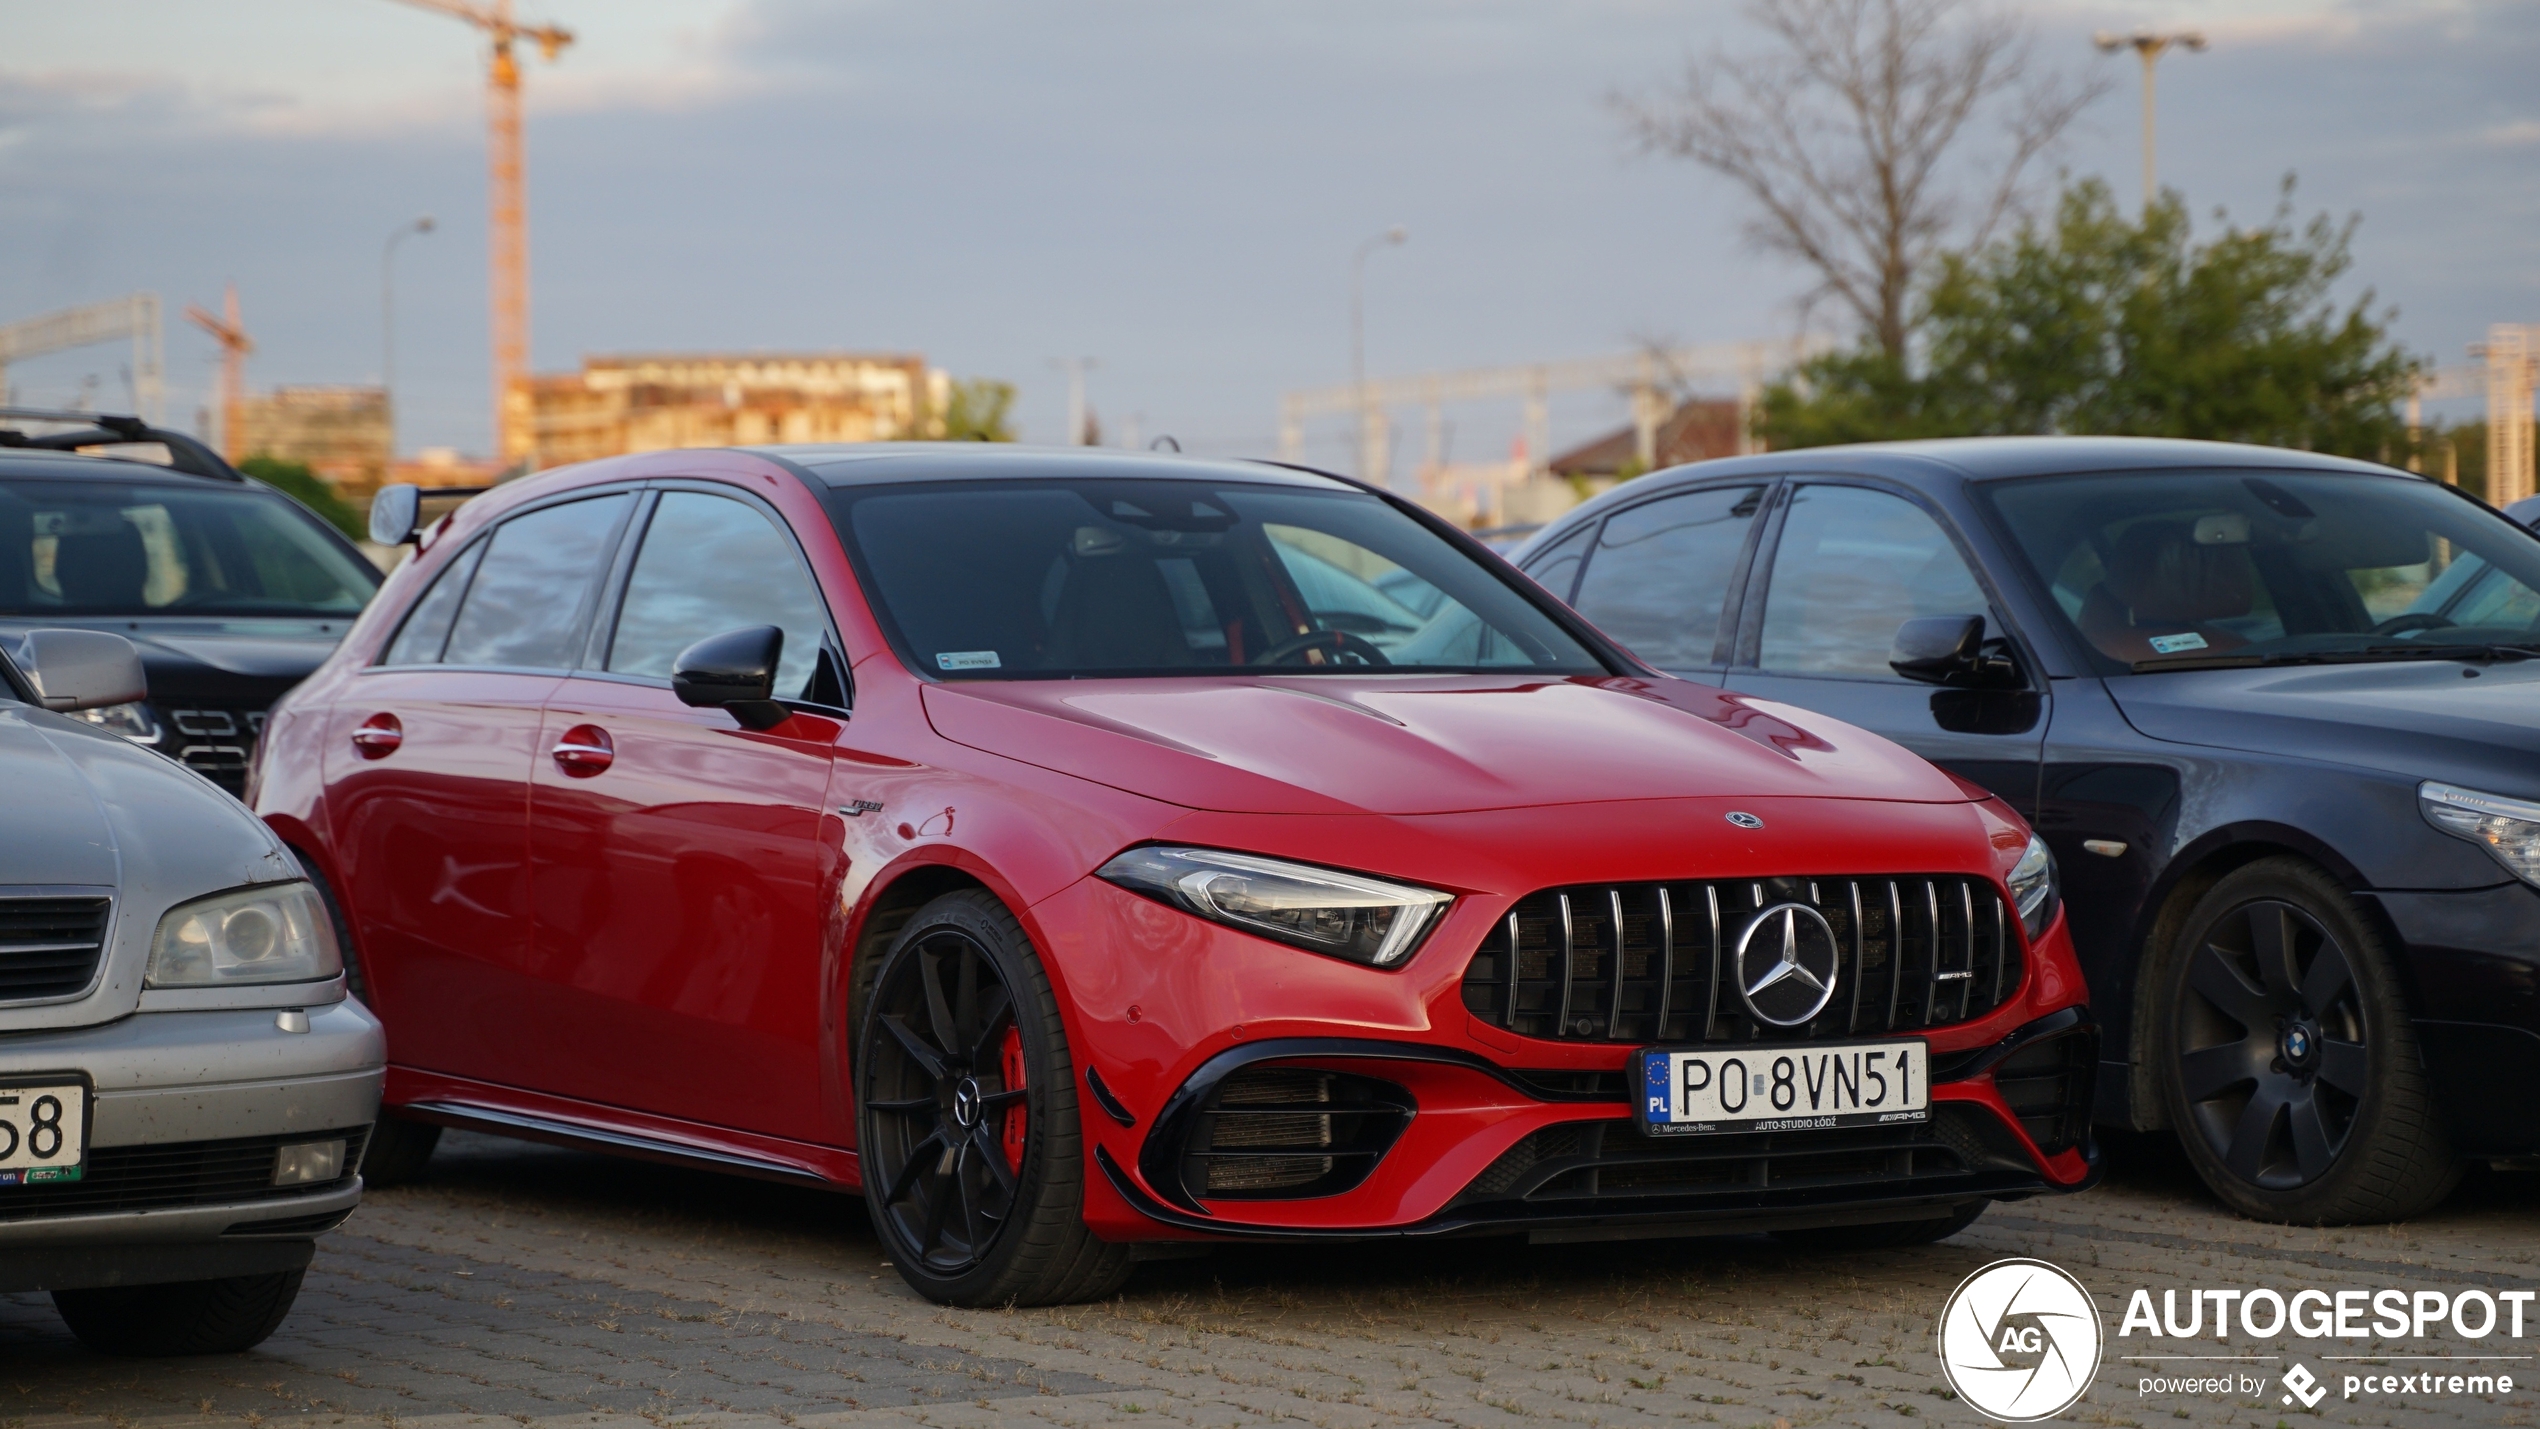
x,y
2369,654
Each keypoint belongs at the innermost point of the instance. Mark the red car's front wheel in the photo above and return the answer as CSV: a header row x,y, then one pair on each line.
x,y
973,1159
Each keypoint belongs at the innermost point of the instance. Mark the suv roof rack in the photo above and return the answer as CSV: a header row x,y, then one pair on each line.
x,y
99,429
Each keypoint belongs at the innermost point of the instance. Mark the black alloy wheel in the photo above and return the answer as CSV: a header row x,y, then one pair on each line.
x,y
971,1151
2293,1075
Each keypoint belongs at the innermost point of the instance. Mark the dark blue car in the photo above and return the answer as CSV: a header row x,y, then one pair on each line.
x,y
2277,715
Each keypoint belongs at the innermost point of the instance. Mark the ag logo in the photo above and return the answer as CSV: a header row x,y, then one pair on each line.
x,y
2020,1341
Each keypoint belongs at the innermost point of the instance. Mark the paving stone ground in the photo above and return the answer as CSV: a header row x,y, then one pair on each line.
x,y
527,1285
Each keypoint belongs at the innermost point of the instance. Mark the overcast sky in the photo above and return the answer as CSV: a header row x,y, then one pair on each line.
x,y
1172,189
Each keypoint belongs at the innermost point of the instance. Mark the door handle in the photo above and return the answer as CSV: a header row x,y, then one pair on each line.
x,y
378,736
584,751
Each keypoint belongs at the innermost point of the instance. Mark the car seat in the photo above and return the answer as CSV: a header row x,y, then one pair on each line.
x,y
2162,584
102,570
1116,613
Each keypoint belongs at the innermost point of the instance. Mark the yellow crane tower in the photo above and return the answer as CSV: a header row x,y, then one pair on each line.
x,y
508,220
235,344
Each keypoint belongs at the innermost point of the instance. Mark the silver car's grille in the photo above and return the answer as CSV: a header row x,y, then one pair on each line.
x,y
49,944
1657,962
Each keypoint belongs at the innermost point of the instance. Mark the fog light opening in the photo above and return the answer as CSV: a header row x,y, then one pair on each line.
x,y
308,1163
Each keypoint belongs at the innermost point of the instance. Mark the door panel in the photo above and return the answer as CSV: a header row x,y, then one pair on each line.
x,y
1850,564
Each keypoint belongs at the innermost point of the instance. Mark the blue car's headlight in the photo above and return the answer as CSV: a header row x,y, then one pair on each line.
x,y
2507,828
1346,915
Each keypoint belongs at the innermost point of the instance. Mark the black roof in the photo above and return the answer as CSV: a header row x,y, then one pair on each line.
x,y
876,463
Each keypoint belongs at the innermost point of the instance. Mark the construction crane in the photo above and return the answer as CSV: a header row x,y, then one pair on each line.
x,y
234,347
508,223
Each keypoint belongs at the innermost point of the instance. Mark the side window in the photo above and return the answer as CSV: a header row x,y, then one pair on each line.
x,y
524,607
1854,564
1556,567
711,564
1658,579
427,626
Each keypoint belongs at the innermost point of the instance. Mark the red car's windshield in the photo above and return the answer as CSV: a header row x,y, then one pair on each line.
x,y
1041,579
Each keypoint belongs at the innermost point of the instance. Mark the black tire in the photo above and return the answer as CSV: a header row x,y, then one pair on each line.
x,y
1885,1235
398,1151
2288,1062
959,996
196,1317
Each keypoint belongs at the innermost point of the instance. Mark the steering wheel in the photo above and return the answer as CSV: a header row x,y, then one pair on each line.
x,y
1339,642
2411,620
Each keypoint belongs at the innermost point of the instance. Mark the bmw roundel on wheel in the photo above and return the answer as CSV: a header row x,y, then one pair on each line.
x,y
1076,850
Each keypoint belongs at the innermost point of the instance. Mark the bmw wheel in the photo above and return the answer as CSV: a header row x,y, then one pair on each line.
x,y
972,1154
2292,1072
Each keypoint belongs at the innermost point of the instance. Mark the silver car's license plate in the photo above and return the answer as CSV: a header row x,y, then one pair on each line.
x,y
43,1128
1803,1087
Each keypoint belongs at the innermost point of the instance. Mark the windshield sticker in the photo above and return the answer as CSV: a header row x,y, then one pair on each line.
x,y
2164,644
987,659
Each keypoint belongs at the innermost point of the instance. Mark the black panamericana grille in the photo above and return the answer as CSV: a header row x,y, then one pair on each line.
x,y
184,1173
214,741
49,946
1655,962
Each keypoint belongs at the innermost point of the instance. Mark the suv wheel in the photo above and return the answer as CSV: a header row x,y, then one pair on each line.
x,y
196,1317
2292,1071
973,1156
397,1150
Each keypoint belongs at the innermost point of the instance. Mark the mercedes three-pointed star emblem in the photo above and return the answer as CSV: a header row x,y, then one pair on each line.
x,y
1787,964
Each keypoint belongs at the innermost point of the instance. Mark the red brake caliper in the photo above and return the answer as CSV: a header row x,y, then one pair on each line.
x,y
1017,1119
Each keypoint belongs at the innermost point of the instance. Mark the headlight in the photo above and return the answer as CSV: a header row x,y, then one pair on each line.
x,y
132,721
2508,828
1346,915
2033,889
273,932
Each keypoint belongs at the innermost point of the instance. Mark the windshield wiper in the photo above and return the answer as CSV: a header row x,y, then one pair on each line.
x,y
2367,655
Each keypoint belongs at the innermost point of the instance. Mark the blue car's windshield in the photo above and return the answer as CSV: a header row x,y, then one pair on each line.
x,y
1041,579
123,548
2182,567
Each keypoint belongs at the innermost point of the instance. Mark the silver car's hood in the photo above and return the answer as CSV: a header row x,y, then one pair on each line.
x,y
85,808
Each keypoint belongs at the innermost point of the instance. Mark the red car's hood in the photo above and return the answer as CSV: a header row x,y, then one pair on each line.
x,y
1412,744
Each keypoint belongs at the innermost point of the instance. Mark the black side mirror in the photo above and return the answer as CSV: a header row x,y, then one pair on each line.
x,y
734,671
394,510
1951,650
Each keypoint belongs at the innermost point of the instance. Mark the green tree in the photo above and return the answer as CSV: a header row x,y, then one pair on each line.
x,y
295,480
2100,323
979,410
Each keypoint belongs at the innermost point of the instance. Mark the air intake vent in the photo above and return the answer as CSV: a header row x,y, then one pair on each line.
x,y
1657,962
2048,1085
49,946
1277,1133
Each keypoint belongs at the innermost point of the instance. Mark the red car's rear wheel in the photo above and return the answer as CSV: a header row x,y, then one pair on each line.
x,y
972,1154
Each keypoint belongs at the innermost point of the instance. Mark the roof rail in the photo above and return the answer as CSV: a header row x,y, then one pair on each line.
x,y
186,454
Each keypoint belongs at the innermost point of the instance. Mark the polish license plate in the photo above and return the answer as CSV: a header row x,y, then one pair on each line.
x,y
43,1129
1812,1086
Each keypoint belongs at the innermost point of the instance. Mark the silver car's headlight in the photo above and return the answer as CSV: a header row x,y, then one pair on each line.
x,y
272,932
132,721
1347,915
2033,890
2507,828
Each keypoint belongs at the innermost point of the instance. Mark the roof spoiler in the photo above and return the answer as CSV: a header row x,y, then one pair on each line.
x,y
99,429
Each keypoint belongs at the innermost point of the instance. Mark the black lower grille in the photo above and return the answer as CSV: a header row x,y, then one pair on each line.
x,y
49,946
184,1173
1657,962
2048,1085
1583,1163
1283,1132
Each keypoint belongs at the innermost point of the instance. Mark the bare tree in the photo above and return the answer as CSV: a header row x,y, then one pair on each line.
x,y
1841,130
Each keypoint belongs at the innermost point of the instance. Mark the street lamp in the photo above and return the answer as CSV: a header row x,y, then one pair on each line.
x,y
388,330
1358,334
2151,46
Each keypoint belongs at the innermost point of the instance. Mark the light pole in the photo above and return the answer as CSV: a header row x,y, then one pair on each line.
x,y
1367,460
2151,46
388,331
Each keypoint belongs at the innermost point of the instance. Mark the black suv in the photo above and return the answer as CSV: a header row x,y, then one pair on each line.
x,y
2277,715
233,591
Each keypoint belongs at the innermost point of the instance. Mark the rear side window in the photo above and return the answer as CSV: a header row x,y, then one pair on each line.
x,y
524,609
712,564
427,626
1556,569
1658,579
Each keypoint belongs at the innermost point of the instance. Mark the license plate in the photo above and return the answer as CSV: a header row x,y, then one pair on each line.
x,y
43,1129
1808,1087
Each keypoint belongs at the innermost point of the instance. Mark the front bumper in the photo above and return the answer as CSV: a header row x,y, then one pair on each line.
x,y
2474,959
188,1112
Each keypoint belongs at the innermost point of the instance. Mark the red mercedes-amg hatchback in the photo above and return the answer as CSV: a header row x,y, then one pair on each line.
x,y
1078,851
